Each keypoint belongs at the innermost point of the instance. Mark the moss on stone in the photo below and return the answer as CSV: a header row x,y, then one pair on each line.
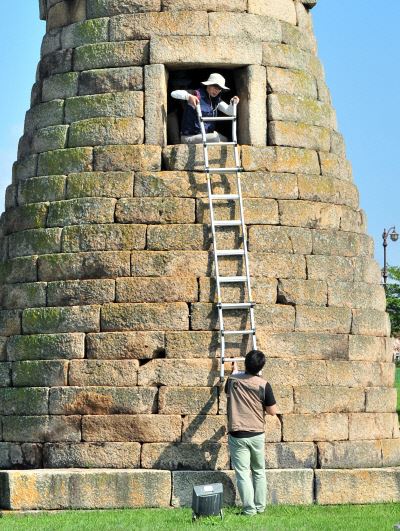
x,y
49,188
63,161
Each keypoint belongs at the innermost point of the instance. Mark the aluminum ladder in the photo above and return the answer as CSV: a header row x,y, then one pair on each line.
x,y
241,252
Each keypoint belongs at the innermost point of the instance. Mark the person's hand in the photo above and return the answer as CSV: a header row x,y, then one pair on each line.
x,y
193,100
234,366
235,100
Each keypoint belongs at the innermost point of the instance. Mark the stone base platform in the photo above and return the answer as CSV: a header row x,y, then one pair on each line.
x,y
50,489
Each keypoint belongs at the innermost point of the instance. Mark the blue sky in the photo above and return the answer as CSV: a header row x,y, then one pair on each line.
x,y
360,50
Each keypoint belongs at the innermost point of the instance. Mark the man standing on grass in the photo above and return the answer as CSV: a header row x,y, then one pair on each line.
x,y
249,398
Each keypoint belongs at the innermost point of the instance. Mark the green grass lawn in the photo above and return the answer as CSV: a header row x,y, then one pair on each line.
x,y
340,517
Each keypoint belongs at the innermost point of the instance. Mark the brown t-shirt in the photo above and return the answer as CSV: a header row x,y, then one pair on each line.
x,y
248,395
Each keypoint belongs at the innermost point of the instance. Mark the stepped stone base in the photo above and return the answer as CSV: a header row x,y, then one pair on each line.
x,y
110,488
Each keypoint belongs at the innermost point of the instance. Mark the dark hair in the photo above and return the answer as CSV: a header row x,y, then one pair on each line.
x,y
254,361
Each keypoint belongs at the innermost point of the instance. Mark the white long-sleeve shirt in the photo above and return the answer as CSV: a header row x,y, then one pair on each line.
x,y
222,106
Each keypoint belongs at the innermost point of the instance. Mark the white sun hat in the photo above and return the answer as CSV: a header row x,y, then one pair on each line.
x,y
216,79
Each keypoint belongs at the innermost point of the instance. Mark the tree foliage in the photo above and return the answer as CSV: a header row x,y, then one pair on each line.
x,y
393,298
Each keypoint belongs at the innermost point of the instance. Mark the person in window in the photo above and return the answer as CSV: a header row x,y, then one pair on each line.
x,y
249,398
209,97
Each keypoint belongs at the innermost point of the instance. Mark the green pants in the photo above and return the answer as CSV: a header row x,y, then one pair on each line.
x,y
248,461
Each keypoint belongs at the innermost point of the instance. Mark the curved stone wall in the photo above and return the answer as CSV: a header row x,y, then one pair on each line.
x,y
108,331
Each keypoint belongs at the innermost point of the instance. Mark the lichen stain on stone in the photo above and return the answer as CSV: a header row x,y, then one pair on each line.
x,y
24,492
92,403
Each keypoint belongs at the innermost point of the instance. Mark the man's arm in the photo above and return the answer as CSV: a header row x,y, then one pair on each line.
x,y
228,109
269,401
186,96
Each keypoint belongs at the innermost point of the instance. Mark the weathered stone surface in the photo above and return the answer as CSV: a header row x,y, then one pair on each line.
x,y
115,104
105,237
304,345
327,189
370,323
190,158
108,8
223,50
191,373
162,289
105,264
20,456
125,345
62,161
357,486
10,322
86,489
332,242
390,452
187,401
257,211
99,184
372,425
323,319
25,401
26,168
57,62
251,87
199,344
286,56
106,130
178,237
49,138
281,9
39,373
46,346
280,159
297,134
290,487
111,54
80,292
42,428
204,428
170,263
296,83
290,455
63,13
156,102
381,399
335,166
43,115
81,210
23,295
350,454
295,372
25,217
60,86
254,27
321,427
280,239
3,350
86,32
91,455
127,158
155,210
279,318
205,5
263,291
298,38
51,41
370,348
321,267
141,428
5,373
117,373
326,399
356,295
40,189
190,456
169,316
282,265
359,374
147,25
299,109
307,292
59,320
110,80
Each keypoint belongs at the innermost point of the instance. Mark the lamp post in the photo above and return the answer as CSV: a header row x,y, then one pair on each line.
x,y
394,237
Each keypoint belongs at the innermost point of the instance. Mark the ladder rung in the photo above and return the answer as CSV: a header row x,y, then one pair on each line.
x,y
236,306
231,360
223,170
218,118
220,143
238,332
230,252
225,196
228,223
233,279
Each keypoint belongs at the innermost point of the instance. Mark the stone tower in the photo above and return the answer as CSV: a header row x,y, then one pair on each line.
x,y
108,341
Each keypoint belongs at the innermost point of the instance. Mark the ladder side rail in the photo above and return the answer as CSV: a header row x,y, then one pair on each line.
x,y
244,230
